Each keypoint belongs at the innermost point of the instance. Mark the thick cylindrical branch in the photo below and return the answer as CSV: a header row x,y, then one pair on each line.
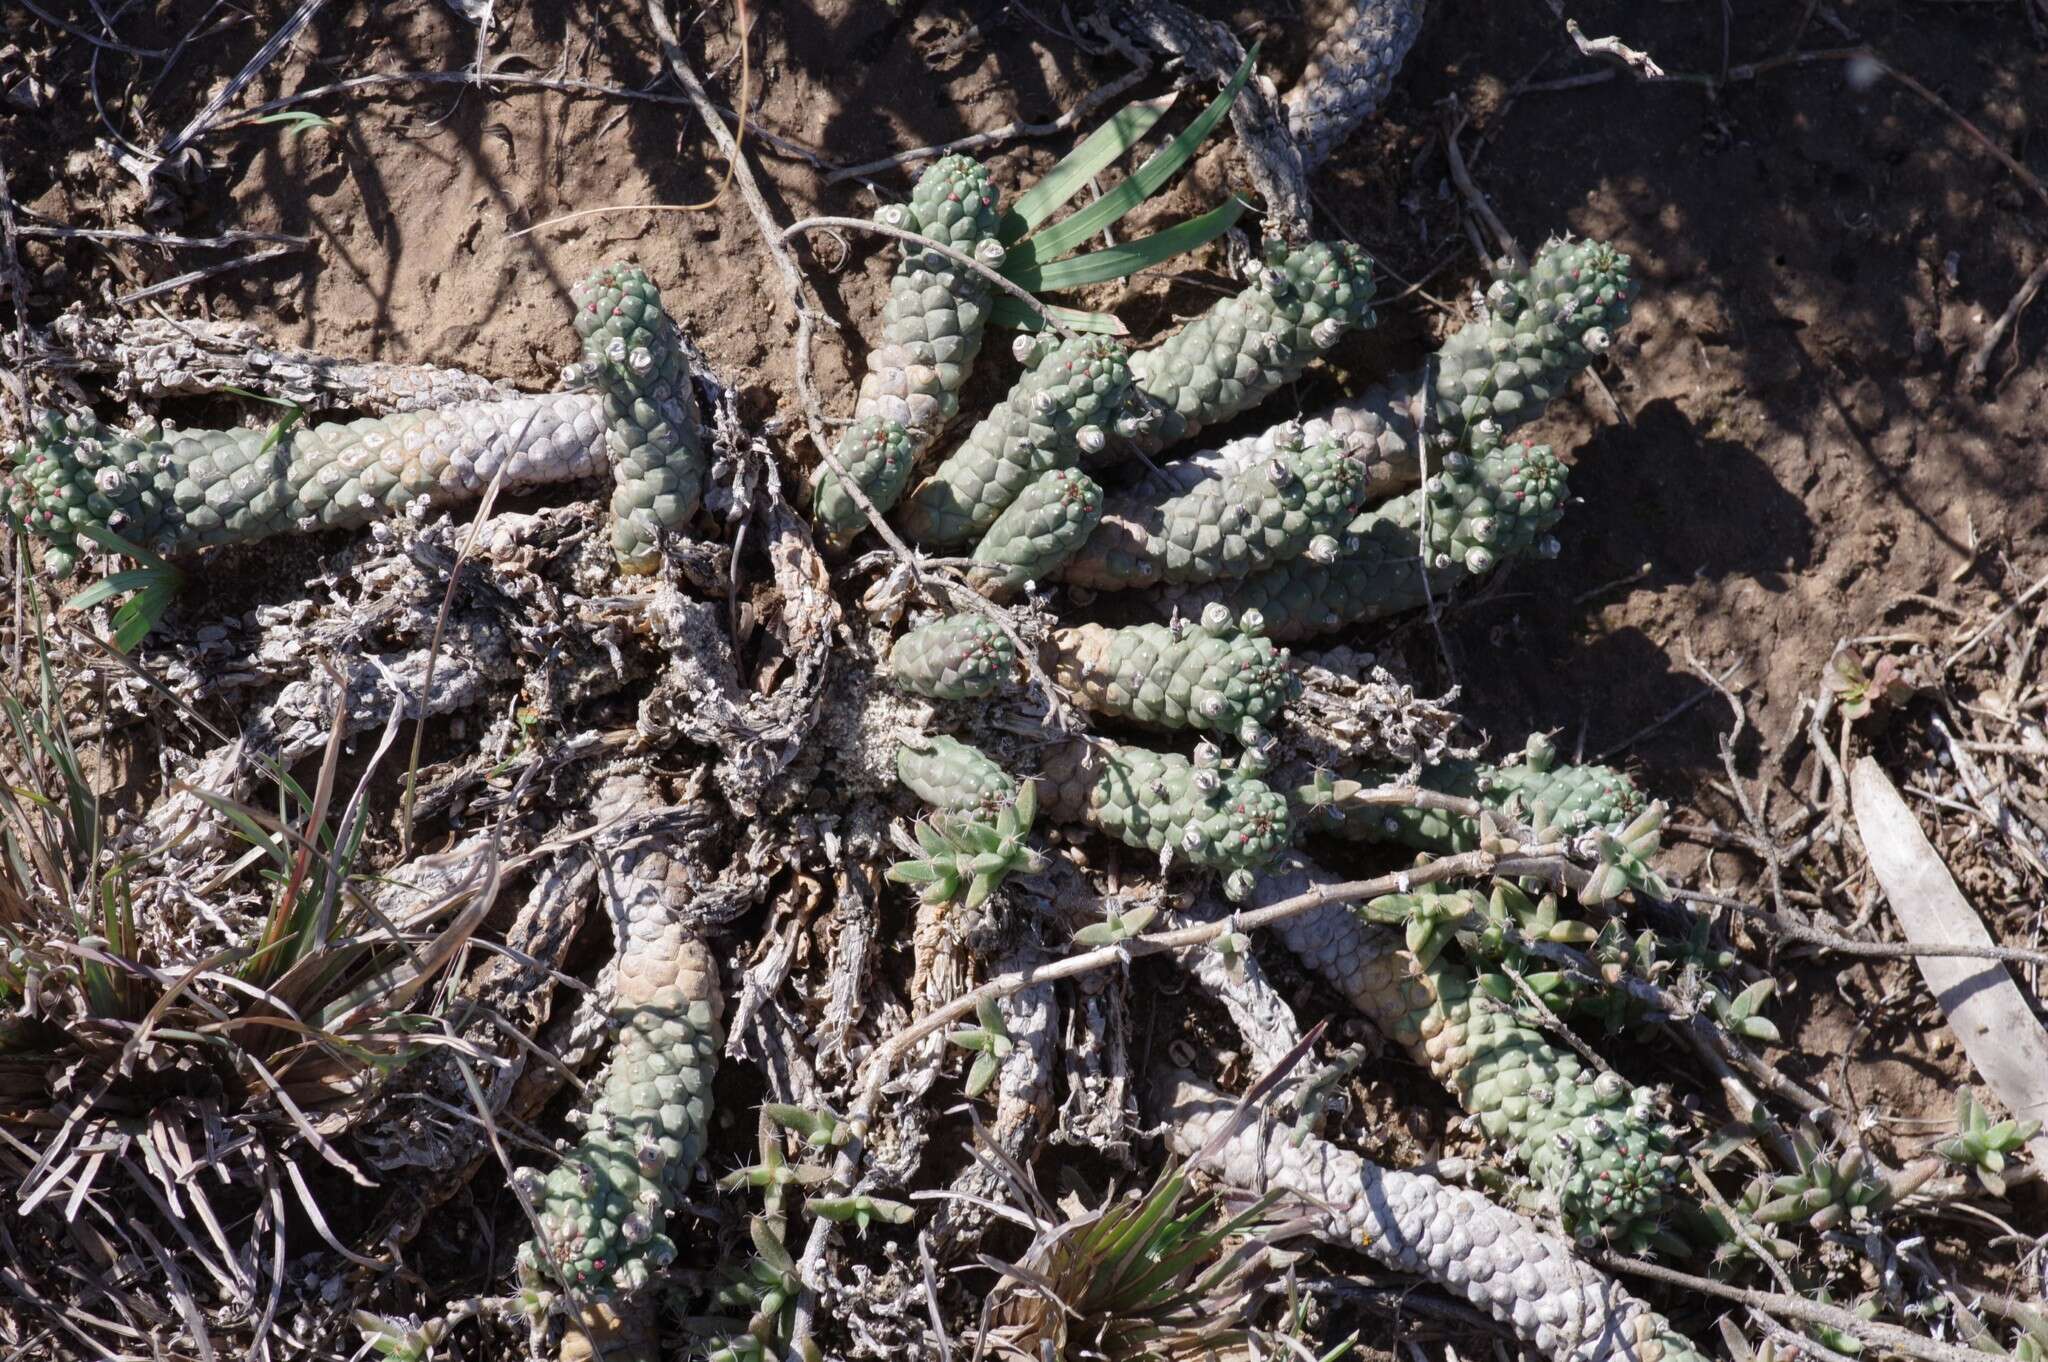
x,y
1061,406
1542,328
603,1209
1600,1161
1349,73
1199,811
1216,676
1046,525
1546,324
937,310
1477,513
1524,1276
958,657
953,776
878,456
1301,302
1573,798
174,491
1195,523
631,350
1202,812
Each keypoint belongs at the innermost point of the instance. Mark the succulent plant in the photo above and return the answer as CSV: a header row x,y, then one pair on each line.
x,y
1300,303
1597,1156
1543,327
1217,676
1826,1188
878,455
1056,411
1349,72
1198,810
174,491
603,1208
957,657
1983,1145
965,857
937,310
1194,523
1400,554
953,777
1572,798
632,352
1046,525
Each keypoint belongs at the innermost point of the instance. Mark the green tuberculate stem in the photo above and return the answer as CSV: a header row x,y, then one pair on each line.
x,y
1046,525
1059,408
958,657
1490,376
174,491
603,1209
937,310
1572,798
1599,1160
1198,811
932,325
953,776
632,352
1217,676
1196,523
1300,303
1477,513
877,455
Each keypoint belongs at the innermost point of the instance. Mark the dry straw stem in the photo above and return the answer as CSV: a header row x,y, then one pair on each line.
x,y
1881,950
205,272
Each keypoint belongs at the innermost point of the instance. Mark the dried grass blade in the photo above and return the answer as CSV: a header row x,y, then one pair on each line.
x,y
176,1220
311,1204
180,1293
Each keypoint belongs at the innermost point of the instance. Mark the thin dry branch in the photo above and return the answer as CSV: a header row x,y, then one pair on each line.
x,y
206,272
1888,1337
1980,360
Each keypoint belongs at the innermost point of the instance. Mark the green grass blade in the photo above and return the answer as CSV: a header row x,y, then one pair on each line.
x,y
1081,165
141,613
1059,239
129,579
246,825
1117,262
114,543
1136,1234
296,121
1012,313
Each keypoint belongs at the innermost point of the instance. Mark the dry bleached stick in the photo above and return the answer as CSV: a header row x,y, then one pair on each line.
x,y
1984,1007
